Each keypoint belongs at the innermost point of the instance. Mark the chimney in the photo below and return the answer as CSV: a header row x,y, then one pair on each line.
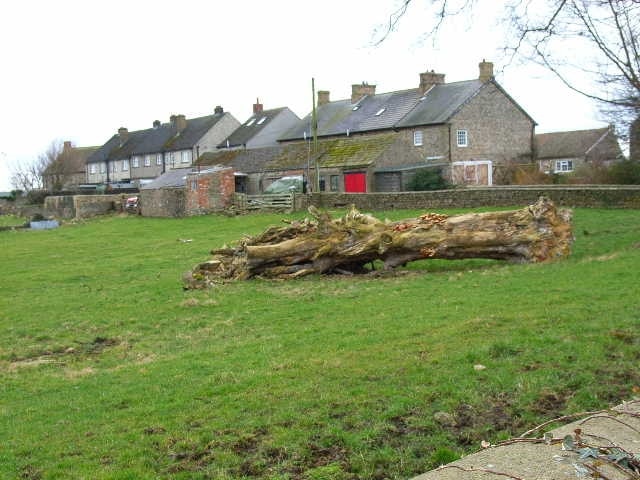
x,y
67,146
429,79
257,107
486,71
323,97
156,124
359,91
179,122
123,133
218,110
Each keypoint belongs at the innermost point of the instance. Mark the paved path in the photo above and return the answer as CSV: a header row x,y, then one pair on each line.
x,y
616,431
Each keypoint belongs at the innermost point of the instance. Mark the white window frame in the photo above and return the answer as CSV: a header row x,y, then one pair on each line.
x,y
147,160
169,159
418,138
563,166
125,165
103,167
185,156
158,159
114,167
462,138
92,168
135,161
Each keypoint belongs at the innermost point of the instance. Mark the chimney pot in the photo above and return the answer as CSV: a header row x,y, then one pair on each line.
x,y
429,79
218,110
257,107
360,90
323,97
179,122
156,124
67,145
486,71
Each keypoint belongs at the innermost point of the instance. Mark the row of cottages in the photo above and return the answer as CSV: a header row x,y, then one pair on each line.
x,y
143,155
378,141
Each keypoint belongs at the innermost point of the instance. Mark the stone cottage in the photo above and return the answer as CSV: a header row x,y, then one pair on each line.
x,y
468,128
563,152
68,170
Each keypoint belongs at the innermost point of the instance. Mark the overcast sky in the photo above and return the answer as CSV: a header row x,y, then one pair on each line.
x,y
78,70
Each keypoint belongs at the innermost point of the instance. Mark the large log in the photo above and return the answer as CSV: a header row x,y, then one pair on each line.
x,y
536,233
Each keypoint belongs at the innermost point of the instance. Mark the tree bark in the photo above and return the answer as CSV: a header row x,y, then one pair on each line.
x,y
535,233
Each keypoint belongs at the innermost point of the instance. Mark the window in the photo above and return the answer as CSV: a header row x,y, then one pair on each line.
x,y
125,165
186,156
194,185
114,167
564,166
147,160
135,162
462,138
381,111
261,121
92,168
333,182
158,159
169,158
417,138
103,167
323,184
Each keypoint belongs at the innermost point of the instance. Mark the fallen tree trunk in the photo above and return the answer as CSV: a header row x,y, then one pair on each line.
x,y
535,233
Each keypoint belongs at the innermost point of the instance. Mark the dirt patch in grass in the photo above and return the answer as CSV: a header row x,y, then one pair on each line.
x,y
60,355
29,472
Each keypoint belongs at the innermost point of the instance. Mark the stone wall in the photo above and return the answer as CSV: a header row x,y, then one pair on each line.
x,y
163,202
583,196
81,206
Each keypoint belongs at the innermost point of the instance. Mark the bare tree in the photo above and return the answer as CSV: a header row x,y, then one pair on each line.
x,y
592,46
30,175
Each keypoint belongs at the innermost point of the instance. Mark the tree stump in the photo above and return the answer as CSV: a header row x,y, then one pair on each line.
x,y
536,233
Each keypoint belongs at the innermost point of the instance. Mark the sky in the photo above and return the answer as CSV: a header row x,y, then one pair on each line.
x,y
78,70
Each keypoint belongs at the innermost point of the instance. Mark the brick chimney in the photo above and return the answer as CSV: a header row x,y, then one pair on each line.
x,y
67,146
429,79
360,90
486,71
123,133
179,122
257,107
218,110
323,97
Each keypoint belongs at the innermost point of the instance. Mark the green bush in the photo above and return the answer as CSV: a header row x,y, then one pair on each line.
x,y
626,172
428,179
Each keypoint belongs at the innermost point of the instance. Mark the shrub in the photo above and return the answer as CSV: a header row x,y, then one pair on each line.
x,y
626,172
428,179
36,197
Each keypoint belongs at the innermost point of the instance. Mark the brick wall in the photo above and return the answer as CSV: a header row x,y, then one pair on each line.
x,y
163,202
209,192
584,196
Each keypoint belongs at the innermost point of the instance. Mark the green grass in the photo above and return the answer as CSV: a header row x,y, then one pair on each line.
x,y
108,369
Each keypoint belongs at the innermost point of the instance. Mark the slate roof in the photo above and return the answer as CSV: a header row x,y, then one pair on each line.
x,y
571,144
164,138
249,129
385,111
169,179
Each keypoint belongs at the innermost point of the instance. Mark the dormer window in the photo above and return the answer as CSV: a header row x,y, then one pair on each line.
x,y
261,121
381,111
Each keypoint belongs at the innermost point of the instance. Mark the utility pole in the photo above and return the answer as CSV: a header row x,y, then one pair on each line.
x,y
314,129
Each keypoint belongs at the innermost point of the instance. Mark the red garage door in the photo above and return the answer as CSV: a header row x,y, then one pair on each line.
x,y
355,182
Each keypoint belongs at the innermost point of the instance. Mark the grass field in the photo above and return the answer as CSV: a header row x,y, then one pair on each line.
x,y
109,370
